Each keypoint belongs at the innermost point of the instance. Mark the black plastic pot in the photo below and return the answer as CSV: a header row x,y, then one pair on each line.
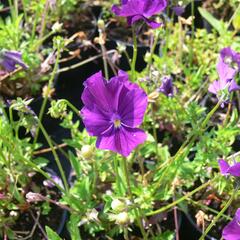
x,y
190,230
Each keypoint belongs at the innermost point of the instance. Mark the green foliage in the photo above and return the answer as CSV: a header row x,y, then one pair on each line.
x,y
51,234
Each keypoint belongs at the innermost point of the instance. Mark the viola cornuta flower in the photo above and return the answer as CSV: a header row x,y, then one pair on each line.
x,y
226,83
230,57
167,86
226,169
232,230
9,60
178,10
135,10
112,112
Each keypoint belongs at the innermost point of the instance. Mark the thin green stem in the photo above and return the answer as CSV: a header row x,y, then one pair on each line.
x,y
208,209
126,173
192,28
134,58
210,114
233,16
155,132
165,208
105,65
115,163
74,109
219,215
125,233
34,166
192,137
44,104
152,52
55,155
24,11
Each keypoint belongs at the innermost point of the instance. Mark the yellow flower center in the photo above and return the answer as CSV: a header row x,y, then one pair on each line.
x,y
117,123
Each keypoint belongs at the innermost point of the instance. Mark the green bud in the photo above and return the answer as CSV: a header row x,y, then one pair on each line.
x,y
101,24
122,218
118,205
87,151
147,57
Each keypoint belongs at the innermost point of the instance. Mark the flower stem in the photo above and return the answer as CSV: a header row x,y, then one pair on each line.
x,y
44,104
152,52
190,140
173,204
55,155
136,211
74,109
134,58
209,115
233,16
219,215
115,163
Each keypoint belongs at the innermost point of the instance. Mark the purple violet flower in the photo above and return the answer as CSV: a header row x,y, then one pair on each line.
x,y
178,10
230,57
226,83
113,111
135,10
50,184
226,169
232,230
9,60
167,86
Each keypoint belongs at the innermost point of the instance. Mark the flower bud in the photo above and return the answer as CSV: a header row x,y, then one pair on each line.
x,y
122,218
87,151
34,197
147,57
101,24
118,205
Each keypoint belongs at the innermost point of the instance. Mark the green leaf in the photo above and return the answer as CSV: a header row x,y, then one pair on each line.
x,y
51,234
217,24
236,21
41,162
73,227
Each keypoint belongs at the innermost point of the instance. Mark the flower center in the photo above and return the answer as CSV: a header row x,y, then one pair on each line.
x,y
117,123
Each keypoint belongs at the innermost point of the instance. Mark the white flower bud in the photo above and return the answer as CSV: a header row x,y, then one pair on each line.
x,y
87,151
122,218
118,205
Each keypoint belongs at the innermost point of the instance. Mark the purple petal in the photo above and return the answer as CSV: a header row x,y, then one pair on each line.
x,y
167,86
225,72
132,20
233,86
132,107
226,52
136,10
116,10
99,92
15,57
235,170
224,166
178,10
8,65
237,215
122,140
153,7
214,87
96,121
232,230
153,24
